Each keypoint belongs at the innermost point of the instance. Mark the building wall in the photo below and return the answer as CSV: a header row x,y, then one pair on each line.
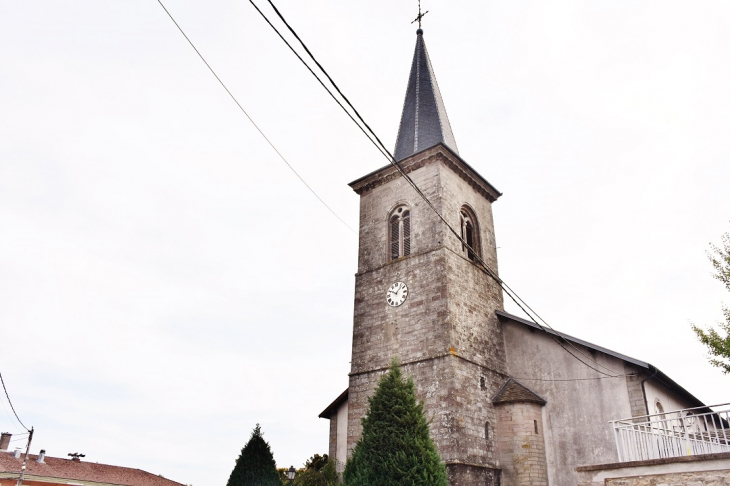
x,y
576,416
44,482
708,478
332,451
457,403
341,444
669,400
446,335
634,385
521,444
707,470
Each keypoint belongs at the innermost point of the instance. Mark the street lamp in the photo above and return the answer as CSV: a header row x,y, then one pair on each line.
x,y
290,474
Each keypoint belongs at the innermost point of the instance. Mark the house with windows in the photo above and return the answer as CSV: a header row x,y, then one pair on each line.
x,y
511,402
43,470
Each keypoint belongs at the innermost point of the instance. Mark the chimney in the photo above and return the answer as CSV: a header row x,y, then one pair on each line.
x,y
76,457
5,440
17,452
41,455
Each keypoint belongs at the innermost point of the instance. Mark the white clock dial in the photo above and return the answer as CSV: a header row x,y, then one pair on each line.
x,y
396,294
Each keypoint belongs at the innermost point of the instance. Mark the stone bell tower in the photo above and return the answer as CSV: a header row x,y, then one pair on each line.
x,y
419,294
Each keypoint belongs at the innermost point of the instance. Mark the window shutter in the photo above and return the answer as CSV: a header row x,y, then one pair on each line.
x,y
394,238
462,220
406,233
470,240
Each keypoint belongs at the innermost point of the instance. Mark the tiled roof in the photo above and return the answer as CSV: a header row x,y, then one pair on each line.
x,y
513,392
69,471
424,122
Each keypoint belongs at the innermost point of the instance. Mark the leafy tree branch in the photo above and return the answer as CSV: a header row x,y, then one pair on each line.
x,y
718,341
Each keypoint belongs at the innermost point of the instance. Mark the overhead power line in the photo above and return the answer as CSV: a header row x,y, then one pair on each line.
x,y
572,379
317,77
11,404
251,119
534,317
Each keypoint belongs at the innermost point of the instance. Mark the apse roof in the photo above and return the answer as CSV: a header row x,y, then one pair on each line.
x,y
424,122
513,391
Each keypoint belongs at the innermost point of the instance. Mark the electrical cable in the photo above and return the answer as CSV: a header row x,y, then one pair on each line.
x,y
572,379
251,119
382,148
315,75
7,412
391,159
384,151
11,404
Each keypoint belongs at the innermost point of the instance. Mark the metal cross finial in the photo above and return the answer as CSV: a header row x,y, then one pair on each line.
x,y
420,15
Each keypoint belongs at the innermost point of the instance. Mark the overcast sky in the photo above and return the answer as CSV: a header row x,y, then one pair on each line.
x,y
166,282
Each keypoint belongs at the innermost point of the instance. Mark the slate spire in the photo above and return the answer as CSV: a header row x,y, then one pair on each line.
x,y
424,122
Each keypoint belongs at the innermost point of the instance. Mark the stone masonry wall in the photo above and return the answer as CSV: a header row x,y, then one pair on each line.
x,y
377,203
457,402
521,448
463,474
578,410
637,400
333,436
698,470
446,335
430,379
703,478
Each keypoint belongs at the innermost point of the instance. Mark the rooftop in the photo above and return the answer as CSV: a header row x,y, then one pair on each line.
x,y
68,471
424,122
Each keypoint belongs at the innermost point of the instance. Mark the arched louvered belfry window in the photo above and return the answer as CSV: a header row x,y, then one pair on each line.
x,y
469,233
400,232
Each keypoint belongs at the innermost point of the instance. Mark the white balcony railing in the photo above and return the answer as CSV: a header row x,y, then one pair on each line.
x,y
692,431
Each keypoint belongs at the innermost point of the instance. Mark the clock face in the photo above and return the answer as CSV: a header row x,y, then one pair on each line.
x,y
396,294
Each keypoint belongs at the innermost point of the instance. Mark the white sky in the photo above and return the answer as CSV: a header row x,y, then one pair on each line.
x,y
166,282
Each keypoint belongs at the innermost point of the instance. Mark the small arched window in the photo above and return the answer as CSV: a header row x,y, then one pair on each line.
x,y
469,234
659,407
400,232
660,418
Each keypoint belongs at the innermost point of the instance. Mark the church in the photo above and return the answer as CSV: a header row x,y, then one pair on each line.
x,y
510,402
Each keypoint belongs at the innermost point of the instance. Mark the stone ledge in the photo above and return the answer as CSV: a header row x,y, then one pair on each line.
x,y
437,153
654,462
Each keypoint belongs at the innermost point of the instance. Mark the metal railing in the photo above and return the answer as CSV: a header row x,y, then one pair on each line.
x,y
687,432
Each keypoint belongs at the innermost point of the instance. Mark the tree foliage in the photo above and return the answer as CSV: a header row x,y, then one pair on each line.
x,y
318,471
718,346
395,448
316,462
255,466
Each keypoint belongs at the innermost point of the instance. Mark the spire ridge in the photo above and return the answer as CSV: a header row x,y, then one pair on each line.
x,y
424,122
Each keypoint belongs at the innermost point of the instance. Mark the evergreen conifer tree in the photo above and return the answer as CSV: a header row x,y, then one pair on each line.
x,y
395,448
255,466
